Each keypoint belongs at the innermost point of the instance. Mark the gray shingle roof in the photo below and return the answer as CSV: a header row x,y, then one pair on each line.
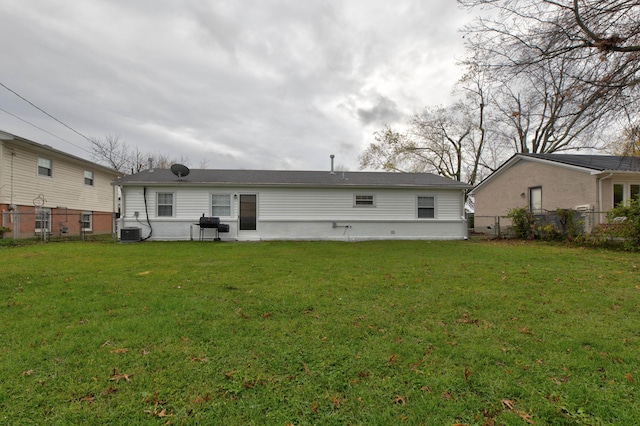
x,y
289,178
595,162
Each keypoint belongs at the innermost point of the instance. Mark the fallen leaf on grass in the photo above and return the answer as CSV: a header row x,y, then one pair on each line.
x,y
110,390
105,344
336,402
314,407
524,330
629,377
467,373
525,416
446,395
120,351
28,372
117,377
194,359
507,404
401,400
200,399
88,398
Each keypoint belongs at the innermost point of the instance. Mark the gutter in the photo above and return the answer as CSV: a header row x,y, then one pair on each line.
x,y
600,179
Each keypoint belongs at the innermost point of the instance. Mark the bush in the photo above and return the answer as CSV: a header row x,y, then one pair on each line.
x,y
624,223
3,230
564,224
523,223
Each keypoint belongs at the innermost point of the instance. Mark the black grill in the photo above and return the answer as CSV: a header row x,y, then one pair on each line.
x,y
212,223
209,222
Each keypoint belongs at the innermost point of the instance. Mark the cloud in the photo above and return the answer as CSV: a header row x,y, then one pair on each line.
x,y
235,84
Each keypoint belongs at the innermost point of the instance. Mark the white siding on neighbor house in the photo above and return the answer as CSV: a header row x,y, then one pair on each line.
x,y
65,187
302,213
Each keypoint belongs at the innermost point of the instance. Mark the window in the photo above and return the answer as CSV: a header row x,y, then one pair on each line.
x,y
618,193
427,207
364,200
535,200
44,167
43,219
88,177
220,205
625,191
165,204
86,221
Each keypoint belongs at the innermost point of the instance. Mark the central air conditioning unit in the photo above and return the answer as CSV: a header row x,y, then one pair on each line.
x,y
130,235
583,207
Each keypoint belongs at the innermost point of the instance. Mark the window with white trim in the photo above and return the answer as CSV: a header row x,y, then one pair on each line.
x,y
45,167
88,177
220,205
86,221
164,204
43,219
535,200
364,200
426,207
623,192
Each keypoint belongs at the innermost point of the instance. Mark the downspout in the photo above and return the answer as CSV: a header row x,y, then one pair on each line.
x,y
600,196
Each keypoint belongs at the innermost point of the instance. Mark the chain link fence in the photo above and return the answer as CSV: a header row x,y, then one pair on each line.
x,y
46,224
546,221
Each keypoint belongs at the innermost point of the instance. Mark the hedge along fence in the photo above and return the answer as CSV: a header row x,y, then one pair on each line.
x,y
520,223
56,223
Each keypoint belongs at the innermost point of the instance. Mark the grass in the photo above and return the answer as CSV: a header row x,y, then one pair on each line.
x,y
318,333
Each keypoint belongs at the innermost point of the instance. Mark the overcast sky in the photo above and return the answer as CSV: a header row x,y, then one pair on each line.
x,y
262,84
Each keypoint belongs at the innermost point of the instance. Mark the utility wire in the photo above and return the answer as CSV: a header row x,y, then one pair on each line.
x,y
44,112
46,131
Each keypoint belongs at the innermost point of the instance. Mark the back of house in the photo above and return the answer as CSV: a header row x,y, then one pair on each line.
x,y
291,205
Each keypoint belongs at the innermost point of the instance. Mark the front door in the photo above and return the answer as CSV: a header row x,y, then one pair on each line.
x,y
248,212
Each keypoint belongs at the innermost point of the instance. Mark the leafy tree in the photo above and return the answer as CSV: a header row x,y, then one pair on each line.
x,y
628,143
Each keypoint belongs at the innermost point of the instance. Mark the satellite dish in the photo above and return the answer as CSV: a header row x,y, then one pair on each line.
x,y
180,170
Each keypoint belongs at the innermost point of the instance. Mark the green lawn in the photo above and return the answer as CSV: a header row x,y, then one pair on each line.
x,y
403,332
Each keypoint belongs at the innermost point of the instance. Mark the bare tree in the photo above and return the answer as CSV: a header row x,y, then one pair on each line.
x,y
115,153
560,68
442,140
601,35
111,151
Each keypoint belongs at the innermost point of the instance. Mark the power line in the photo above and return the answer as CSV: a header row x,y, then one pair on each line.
x,y
46,131
44,112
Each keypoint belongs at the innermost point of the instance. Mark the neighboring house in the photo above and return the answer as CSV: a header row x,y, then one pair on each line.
x,y
44,191
547,182
293,205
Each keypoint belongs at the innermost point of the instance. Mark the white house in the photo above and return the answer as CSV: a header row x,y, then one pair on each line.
x,y
293,205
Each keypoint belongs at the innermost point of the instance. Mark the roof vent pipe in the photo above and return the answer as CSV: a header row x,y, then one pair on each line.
x,y
332,157
150,164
